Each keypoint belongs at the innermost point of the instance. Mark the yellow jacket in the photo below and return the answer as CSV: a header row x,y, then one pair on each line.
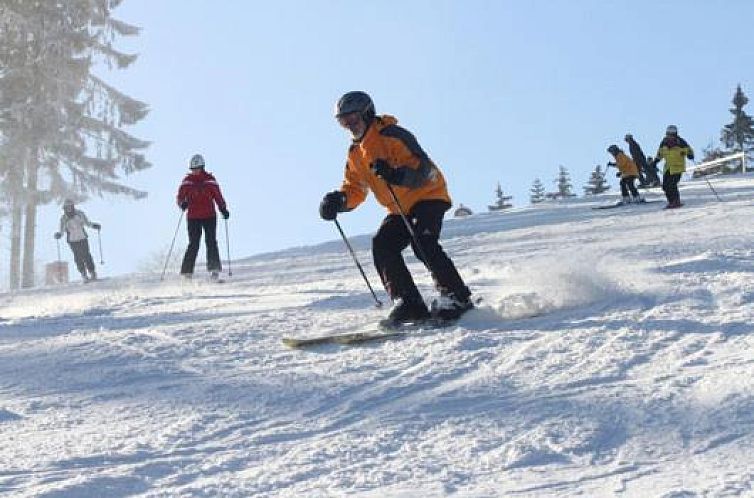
x,y
675,154
384,139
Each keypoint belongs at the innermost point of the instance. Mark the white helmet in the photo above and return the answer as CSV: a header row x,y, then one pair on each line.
x,y
197,161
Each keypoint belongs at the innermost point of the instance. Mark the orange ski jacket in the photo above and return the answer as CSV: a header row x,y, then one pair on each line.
x,y
384,139
626,165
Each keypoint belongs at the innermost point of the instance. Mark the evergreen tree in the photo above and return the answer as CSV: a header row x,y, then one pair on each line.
x,y
501,200
61,124
565,189
537,192
597,182
738,136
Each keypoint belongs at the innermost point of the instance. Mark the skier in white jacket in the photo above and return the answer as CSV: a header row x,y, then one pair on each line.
x,y
72,223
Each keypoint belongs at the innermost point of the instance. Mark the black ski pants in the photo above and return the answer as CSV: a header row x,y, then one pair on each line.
x,y
670,186
627,185
82,256
393,237
195,227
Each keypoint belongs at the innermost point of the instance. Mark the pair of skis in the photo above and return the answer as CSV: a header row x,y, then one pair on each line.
x,y
387,330
621,204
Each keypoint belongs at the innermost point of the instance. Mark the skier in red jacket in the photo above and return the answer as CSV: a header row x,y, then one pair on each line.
x,y
198,193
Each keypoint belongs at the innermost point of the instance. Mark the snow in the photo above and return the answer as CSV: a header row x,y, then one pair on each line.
x,y
611,356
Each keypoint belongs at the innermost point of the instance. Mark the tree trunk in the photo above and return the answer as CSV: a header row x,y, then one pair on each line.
x,y
14,266
16,198
30,227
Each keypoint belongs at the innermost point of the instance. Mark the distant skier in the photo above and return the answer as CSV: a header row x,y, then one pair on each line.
x,y
652,164
647,175
674,150
72,223
385,156
628,172
198,193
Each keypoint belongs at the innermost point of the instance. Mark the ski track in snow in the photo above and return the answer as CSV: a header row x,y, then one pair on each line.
x,y
611,356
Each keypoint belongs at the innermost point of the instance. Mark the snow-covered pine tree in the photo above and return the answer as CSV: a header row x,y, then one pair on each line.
x,y
501,201
565,189
63,123
597,182
537,192
739,135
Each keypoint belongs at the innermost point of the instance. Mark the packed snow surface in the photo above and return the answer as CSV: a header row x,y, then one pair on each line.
x,y
612,355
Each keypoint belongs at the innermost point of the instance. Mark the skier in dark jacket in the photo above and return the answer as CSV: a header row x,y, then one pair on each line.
x,y
198,193
386,159
72,223
647,175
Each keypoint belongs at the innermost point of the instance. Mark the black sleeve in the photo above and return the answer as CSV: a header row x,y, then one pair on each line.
x,y
412,178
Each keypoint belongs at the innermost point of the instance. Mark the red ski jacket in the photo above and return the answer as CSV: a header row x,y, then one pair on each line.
x,y
202,192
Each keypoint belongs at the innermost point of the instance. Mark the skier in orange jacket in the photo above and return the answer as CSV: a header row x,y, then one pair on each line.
x,y
383,157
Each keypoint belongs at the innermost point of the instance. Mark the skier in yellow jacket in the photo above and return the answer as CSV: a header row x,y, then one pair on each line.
x,y
387,160
628,173
674,150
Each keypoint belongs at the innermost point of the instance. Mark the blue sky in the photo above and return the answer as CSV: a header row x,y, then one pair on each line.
x,y
494,90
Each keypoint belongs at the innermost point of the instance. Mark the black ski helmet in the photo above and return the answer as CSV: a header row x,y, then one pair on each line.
x,y
613,149
356,101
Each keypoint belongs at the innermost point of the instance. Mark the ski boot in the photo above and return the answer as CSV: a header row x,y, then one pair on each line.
x,y
449,307
408,311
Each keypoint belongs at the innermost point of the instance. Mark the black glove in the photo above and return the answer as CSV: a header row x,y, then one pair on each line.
x,y
225,213
184,205
58,235
333,203
382,168
690,156
617,175
96,226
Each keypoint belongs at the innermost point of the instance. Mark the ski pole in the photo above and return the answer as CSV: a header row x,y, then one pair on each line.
x,y
58,243
170,251
227,244
412,232
378,303
712,189
99,239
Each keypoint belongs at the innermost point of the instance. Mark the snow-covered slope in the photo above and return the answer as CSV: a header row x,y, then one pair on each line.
x,y
613,356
